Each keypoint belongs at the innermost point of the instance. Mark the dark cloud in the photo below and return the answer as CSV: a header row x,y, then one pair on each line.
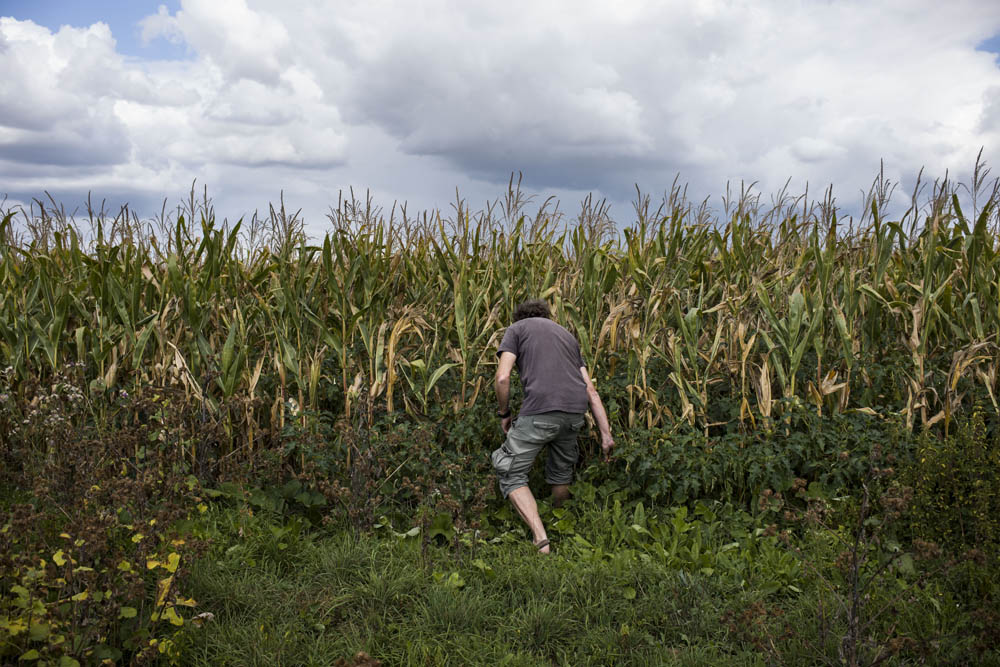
x,y
614,176
27,171
74,200
83,144
314,162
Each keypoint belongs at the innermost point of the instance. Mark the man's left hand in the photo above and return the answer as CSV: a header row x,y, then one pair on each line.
x,y
505,424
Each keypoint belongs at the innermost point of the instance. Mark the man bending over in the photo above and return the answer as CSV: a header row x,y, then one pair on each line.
x,y
557,392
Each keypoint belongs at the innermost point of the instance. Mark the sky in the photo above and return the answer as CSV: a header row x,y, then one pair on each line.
x,y
133,102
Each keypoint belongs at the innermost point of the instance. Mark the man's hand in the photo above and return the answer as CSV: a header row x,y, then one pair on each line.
x,y
600,416
607,444
505,424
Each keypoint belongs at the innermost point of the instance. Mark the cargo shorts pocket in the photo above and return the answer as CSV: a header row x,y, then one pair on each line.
x,y
502,460
539,431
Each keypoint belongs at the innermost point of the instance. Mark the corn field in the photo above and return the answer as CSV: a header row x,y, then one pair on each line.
x,y
690,316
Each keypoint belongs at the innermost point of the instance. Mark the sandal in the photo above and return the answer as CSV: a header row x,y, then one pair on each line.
x,y
541,545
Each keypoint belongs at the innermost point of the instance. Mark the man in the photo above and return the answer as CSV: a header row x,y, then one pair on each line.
x,y
557,392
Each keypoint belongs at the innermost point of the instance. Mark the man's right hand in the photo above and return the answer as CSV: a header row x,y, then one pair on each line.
x,y
505,424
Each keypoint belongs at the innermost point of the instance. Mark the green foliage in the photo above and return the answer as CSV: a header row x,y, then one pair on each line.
x,y
92,562
682,465
711,540
114,594
956,487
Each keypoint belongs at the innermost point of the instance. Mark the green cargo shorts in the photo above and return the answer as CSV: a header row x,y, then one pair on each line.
x,y
526,437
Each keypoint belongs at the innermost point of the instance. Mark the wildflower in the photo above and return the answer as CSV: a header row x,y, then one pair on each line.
x,y
202,618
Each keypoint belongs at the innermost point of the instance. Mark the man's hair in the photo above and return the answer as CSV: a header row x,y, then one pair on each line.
x,y
533,308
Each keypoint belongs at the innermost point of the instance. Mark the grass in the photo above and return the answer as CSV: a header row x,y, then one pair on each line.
x,y
380,595
405,601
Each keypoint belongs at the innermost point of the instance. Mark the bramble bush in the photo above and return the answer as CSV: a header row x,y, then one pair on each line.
x,y
682,464
91,565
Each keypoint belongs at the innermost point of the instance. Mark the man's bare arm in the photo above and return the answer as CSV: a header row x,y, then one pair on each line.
x,y
600,416
502,385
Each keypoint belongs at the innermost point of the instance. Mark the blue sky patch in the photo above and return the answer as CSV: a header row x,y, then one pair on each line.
x,y
122,17
991,45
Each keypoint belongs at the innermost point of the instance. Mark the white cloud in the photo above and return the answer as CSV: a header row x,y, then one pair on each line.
x,y
241,42
413,99
143,131
161,24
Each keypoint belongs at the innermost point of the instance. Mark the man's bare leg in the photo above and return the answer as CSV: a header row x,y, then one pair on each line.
x,y
560,494
524,503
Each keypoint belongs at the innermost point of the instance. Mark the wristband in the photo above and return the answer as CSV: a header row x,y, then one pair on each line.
x,y
503,415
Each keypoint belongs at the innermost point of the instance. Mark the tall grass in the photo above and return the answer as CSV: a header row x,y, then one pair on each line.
x,y
719,319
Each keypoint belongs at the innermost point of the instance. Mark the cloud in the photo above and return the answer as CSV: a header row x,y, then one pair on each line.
x,y
989,121
100,122
161,24
596,96
241,42
414,99
95,139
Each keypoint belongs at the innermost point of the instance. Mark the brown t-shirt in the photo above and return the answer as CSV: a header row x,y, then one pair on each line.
x,y
549,362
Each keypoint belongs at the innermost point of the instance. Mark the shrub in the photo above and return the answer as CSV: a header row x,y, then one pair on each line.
x,y
957,487
683,465
90,565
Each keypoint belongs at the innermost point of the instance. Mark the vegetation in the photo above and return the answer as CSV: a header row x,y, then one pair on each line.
x,y
805,409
